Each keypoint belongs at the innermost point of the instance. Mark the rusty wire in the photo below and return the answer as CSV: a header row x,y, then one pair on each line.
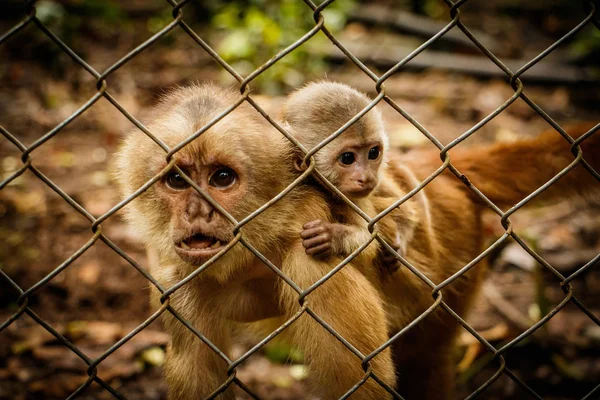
x,y
102,90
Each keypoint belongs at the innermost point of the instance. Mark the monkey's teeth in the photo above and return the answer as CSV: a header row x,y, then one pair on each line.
x,y
216,244
185,246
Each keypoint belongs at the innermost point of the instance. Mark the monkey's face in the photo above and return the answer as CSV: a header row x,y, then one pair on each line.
x,y
354,166
236,174
240,163
198,231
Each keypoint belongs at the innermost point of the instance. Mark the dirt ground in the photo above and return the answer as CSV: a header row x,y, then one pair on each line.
x,y
100,297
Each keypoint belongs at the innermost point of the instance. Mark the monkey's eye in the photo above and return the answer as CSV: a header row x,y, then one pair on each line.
x,y
175,181
374,153
222,178
347,158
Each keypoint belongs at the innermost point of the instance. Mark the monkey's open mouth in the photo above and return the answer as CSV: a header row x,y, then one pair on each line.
x,y
199,248
359,193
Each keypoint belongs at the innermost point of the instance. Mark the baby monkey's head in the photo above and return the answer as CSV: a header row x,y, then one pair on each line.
x,y
351,161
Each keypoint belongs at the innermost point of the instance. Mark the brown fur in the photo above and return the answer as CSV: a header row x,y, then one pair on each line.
x,y
239,280
312,114
446,237
505,173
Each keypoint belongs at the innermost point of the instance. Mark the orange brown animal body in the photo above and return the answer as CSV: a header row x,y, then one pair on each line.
x,y
242,163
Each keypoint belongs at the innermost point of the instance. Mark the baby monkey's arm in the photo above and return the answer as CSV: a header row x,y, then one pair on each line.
x,y
397,227
391,233
323,238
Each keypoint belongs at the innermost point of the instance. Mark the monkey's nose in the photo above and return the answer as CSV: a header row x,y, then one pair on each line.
x,y
199,208
364,181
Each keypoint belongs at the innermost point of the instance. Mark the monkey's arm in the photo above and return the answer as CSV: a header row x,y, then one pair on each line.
x,y
322,237
188,357
245,300
398,226
392,233
345,302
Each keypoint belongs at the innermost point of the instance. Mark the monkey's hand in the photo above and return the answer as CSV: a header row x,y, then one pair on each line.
x,y
389,262
318,237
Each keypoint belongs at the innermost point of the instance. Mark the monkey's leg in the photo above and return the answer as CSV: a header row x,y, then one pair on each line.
x,y
424,362
428,378
353,308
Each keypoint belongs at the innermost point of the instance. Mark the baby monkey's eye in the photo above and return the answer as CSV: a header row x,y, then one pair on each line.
x,y
222,178
347,158
374,153
175,181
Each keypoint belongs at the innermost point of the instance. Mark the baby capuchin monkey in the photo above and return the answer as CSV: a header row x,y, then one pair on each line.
x,y
355,163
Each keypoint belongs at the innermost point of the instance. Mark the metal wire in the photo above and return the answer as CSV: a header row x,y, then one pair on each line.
x,y
303,296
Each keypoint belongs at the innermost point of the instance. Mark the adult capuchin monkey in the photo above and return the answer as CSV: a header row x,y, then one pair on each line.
x,y
242,162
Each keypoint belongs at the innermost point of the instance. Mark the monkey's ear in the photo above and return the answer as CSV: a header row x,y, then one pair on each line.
x,y
297,154
298,159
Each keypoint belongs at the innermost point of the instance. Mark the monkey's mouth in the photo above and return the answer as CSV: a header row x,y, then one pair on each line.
x,y
359,193
199,248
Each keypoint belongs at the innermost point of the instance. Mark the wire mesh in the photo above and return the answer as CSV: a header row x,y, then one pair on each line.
x,y
102,91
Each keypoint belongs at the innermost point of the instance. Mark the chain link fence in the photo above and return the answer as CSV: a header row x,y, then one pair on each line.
x,y
178,12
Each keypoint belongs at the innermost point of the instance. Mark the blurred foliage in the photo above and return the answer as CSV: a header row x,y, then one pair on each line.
x,y
586,47
70,18
250,32
282,352
246,33
432,8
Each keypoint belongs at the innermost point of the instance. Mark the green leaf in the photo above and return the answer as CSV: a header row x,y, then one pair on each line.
x,y
281,352
236,45
154,356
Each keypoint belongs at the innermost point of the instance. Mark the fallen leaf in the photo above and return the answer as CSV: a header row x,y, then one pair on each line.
x,y
36,336
154,356
100,332
283,381
89,273
299,372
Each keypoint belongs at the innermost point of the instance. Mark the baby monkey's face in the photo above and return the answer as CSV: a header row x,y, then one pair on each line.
x,y
355,166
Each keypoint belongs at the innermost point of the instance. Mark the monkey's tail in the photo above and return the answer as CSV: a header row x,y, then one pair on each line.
x,y
508,172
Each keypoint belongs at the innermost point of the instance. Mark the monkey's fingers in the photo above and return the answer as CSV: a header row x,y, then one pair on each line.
x,y
398,249
394,266
319,250
308,233
317,241
390,262
389,259
312,224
